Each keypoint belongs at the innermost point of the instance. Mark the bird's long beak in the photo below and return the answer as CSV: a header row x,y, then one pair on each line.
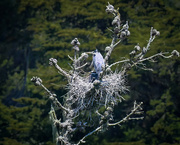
x,y
89,52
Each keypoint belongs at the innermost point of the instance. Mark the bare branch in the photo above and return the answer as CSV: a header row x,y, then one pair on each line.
x,y
127,117
78,68
118,62
70,58
153,34
53,61
38,81
162,54
82,140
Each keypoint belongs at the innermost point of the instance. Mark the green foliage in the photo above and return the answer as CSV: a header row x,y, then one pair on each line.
x,y
33,31
167,124
127,143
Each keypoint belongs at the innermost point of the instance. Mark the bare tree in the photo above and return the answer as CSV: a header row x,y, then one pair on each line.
x,y
88,92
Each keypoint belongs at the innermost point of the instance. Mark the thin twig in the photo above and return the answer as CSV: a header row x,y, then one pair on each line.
x,y
151,57
81,66
54,99
126,60
126,118
82,140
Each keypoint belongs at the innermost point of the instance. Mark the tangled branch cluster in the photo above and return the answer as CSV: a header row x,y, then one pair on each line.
x,y
88,92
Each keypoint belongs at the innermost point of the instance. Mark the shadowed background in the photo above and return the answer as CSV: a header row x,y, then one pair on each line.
x,y
32,31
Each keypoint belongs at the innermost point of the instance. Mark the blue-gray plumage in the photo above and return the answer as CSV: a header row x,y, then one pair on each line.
x,y
98,61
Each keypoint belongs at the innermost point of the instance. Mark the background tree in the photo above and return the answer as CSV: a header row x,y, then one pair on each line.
x,y
41,29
